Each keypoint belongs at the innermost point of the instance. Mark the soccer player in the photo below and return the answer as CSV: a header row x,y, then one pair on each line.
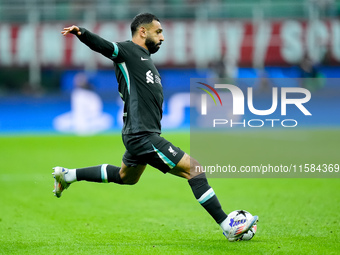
x,y
141,90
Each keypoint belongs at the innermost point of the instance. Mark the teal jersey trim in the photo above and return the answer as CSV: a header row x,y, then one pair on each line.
x,y
164,158
125,72
116,50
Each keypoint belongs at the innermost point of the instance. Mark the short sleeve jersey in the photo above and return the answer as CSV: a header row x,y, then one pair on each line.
x,y
139,85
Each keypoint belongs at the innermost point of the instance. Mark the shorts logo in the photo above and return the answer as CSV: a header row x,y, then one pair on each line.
x,y
149,77
172,151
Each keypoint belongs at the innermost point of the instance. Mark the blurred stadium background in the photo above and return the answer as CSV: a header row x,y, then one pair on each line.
x,y
248,38
264,40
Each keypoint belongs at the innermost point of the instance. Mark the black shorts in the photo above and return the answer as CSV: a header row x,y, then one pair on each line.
x,y
152,149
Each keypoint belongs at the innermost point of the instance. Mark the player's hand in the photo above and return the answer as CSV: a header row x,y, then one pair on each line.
x,y
72,29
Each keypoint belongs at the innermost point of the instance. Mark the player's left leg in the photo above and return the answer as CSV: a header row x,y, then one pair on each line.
x,y
106,173
103,173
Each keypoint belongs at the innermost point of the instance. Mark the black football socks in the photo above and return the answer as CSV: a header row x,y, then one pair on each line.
x,y
102,173
205,195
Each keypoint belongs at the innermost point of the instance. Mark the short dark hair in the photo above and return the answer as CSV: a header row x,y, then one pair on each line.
x,y
142,18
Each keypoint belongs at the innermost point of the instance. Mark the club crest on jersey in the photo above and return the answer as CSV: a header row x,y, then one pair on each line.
x,y
149,77
152,78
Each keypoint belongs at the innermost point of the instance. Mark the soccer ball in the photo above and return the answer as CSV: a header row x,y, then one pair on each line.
x,y
241,216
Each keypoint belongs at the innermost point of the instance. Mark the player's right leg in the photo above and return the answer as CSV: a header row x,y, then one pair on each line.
x,y
190,169
103,173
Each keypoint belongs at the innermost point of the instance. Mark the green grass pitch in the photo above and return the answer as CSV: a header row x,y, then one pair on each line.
x,y
159,215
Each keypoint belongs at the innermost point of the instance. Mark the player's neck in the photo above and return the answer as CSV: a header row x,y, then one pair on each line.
x,y
140,42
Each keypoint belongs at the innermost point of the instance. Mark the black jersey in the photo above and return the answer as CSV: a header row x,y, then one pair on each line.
x,y
139,82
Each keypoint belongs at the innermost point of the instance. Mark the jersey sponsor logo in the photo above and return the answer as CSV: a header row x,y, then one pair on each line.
x,y
149,77
172,151
143,59
157,79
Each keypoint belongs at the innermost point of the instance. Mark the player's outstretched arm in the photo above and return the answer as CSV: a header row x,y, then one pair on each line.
x,y
72,29
93,41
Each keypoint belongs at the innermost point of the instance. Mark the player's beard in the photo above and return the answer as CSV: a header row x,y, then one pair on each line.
x,y
153,47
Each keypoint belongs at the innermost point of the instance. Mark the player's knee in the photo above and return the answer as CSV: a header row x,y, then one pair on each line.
x,y
195,167
187,168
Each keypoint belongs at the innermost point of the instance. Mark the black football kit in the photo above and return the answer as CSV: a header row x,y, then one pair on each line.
x,y
139,85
